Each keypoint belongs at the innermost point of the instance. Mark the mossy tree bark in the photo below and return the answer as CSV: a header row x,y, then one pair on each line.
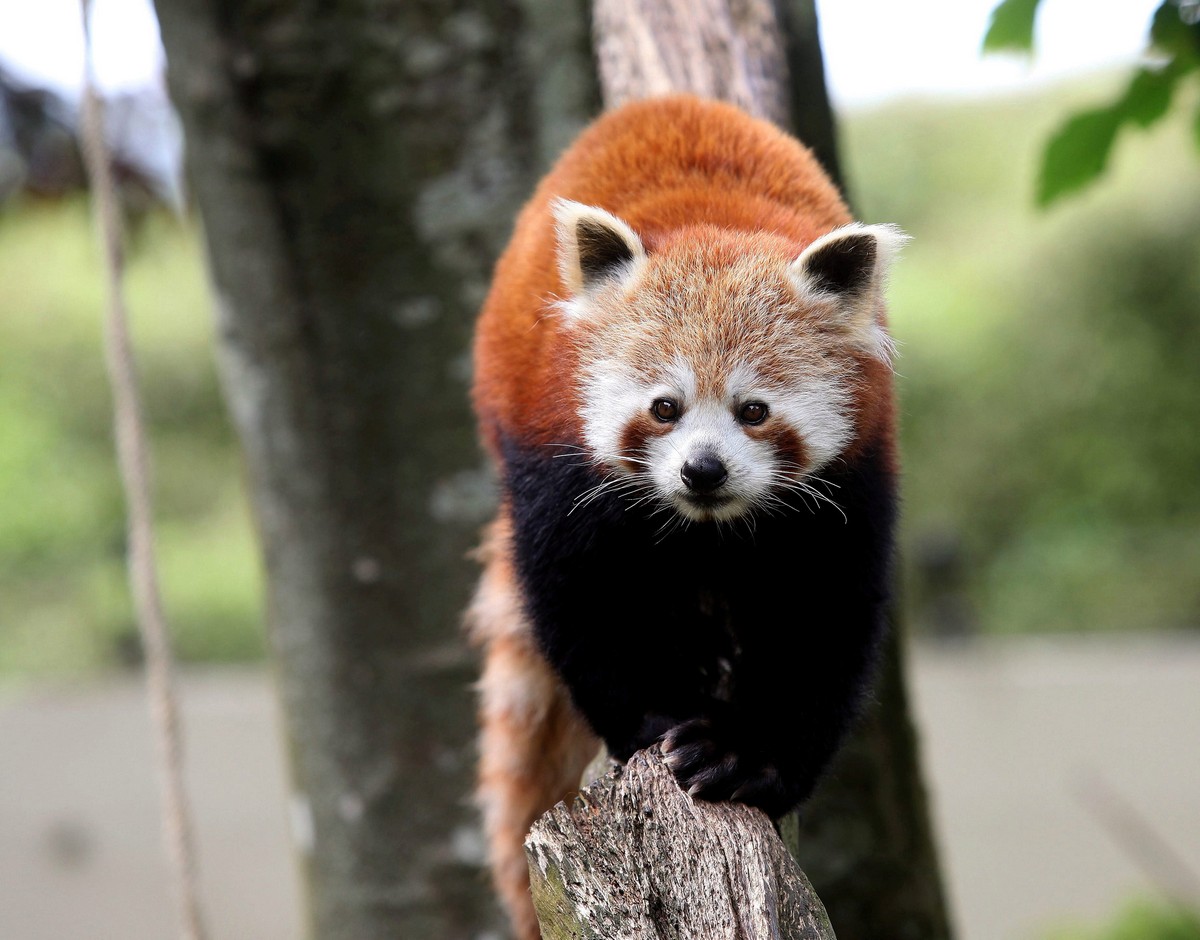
x,y
357,166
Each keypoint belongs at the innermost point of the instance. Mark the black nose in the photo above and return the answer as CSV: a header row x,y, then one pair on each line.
x,y
703,473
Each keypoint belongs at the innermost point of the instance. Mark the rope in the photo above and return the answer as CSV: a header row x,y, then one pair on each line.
x,y
132,456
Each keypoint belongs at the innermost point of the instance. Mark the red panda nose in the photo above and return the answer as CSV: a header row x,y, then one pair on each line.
x,y
703,473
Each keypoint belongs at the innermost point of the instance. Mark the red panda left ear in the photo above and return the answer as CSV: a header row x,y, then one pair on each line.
x,y
594,246
849,266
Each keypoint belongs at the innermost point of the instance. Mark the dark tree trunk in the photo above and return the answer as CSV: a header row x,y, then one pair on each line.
x,y
865,838
358,165
809,107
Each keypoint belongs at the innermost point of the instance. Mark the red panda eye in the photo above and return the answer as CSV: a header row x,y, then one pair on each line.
x,y
753,412
665,409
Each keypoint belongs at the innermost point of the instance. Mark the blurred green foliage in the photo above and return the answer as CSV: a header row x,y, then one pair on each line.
x,y
1140,920
1049,378
64,602
1011,26
1049,370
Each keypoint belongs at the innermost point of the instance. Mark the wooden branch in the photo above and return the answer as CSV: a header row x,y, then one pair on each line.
x,y
635,857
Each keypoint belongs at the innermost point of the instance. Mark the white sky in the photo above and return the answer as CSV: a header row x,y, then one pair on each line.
x,y
43,40
878,49
874,49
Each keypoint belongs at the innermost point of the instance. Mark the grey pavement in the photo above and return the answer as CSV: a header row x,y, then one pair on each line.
x,y
1065,777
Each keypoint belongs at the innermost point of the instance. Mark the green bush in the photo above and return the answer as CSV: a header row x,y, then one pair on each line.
x,y
64,602
1048,374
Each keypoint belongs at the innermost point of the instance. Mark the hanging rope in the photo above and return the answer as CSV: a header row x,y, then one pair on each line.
x,y
132,456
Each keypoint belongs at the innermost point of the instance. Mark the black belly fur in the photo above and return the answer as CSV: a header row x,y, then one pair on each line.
x,y
767,633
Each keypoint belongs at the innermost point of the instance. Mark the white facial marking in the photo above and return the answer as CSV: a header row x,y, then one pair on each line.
x,y
816,406
708,426
612,394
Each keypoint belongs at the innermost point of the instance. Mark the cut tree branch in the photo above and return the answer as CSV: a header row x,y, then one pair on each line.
x,y
636,857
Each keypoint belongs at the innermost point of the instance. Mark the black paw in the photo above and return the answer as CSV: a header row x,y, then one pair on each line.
x,y
706,761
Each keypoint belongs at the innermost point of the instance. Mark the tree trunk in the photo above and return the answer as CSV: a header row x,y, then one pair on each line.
x,y
358,166
637,858
732,50
865,837
808,104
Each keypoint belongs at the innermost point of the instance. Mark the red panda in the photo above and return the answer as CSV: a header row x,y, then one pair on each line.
x,y
683,376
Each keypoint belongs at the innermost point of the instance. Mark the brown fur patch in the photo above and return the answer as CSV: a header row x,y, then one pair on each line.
x,y
788,447
634,438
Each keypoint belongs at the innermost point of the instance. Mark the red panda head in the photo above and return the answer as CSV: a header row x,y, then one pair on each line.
x,y
721,369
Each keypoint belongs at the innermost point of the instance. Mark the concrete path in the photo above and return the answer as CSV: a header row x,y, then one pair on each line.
x,y
1029,745
1054,766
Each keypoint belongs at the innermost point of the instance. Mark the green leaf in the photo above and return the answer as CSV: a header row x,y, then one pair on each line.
x,y
1148,95
1011,29
1196,129
1169,33
1077,153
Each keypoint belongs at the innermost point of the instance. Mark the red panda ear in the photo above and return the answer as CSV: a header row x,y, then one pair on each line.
x,y
850,265
593,246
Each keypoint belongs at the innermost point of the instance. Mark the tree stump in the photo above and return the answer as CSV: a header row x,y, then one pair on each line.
x,y
637,858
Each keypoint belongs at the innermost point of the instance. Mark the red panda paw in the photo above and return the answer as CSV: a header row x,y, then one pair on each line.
x,y
703,756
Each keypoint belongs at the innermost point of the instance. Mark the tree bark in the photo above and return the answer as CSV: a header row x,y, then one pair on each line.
x,y
732,50
637,858
358,165
808,106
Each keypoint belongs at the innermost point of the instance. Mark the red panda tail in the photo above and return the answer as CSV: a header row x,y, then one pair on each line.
x,y
533,745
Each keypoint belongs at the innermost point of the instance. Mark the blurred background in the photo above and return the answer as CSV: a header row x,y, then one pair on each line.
x,y
1050,382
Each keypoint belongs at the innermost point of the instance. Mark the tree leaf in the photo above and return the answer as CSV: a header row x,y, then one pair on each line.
x,y
1148,95
1077,153
1011,28
1170,33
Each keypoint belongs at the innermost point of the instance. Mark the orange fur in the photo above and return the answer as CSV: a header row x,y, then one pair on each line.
x,y
680,172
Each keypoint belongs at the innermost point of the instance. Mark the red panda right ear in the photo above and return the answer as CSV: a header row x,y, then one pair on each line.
x,y
848,266
594,246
